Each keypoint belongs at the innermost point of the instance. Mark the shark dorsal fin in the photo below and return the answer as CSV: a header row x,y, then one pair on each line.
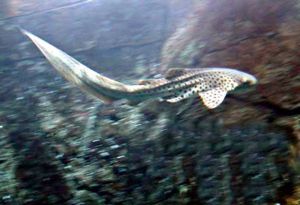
x,y
153,82
174,73
212,98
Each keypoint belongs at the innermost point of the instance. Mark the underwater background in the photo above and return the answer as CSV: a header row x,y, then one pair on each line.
x,y
60,146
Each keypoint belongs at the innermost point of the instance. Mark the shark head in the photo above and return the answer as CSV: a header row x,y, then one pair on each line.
x,y
244,77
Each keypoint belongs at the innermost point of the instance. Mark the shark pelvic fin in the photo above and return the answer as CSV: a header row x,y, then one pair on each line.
x,y
212,98
184,94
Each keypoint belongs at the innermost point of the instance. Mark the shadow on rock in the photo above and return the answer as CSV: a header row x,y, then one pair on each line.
x,y
39,177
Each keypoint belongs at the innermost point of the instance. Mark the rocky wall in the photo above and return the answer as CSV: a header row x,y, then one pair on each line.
x,y
59,146
259,37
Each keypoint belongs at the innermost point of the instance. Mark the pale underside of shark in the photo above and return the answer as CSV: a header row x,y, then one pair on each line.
x,y
210,84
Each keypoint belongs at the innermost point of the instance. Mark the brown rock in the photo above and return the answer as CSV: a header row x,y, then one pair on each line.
x,y
260,38
292,123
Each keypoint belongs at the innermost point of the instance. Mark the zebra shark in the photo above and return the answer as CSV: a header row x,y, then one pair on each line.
x,y
210,84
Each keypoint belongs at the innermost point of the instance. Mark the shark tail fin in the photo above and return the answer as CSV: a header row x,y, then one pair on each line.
x,y
85,78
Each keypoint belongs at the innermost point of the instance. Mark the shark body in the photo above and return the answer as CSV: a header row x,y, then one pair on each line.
x,y
210,84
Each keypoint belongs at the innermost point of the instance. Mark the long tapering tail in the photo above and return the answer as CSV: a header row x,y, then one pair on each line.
x,y
88,80
211,84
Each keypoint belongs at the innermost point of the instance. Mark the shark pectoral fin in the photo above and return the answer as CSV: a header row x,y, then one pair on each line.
x,y
213,98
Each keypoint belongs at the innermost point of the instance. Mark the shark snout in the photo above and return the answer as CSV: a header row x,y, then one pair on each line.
x,y
250,79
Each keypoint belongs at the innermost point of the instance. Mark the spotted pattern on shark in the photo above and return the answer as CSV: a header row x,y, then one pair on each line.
x,y
211,84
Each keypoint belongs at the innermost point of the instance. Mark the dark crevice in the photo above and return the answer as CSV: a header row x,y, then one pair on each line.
x,y
277,110
33,156
236,43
